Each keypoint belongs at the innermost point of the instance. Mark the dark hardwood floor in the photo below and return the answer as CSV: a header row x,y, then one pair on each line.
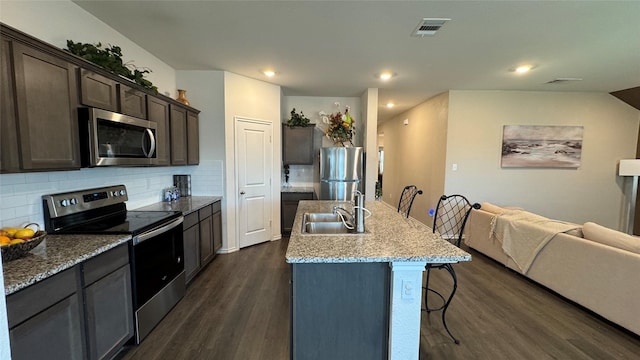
x,y
238,309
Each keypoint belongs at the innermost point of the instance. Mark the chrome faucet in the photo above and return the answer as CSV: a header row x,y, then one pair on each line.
x,y
344,222
358,212
356,216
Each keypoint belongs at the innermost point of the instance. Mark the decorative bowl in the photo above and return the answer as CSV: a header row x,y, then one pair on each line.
x,y
14,251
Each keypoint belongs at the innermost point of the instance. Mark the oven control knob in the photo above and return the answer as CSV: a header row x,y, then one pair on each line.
x,y
123,193
73,201
64,203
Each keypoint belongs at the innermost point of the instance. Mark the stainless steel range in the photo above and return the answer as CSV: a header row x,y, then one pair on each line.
x,y
156,252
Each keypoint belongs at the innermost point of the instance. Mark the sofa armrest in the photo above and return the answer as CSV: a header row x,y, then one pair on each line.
x,y
478,226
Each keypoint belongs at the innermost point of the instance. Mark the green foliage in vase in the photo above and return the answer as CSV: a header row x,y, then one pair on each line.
x,y
110,58
297,119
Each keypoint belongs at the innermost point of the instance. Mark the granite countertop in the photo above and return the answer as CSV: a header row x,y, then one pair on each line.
x,y
297,189
185,204
55,254
388,237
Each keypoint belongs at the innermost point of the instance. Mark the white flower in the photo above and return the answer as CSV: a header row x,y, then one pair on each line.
x,y
325,119
322,113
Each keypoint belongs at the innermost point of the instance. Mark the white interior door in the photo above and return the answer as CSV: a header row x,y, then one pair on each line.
x,y
254,150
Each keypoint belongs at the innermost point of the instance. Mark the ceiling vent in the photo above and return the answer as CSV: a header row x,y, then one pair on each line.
x,y
562,80
428,26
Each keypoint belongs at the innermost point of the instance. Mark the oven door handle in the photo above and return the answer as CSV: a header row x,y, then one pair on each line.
x,y
149,234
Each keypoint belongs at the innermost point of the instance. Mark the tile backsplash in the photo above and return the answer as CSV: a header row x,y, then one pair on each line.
x,y
20,194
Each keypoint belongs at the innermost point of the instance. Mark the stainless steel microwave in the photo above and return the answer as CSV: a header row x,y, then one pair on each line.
x,y
112,139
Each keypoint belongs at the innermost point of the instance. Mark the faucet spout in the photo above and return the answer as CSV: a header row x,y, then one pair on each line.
x,y
347,224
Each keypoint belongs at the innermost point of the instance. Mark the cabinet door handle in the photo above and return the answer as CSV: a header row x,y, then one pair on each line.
x,y
242,192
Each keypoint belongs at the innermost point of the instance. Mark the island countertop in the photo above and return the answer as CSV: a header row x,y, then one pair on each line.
x,y
388,237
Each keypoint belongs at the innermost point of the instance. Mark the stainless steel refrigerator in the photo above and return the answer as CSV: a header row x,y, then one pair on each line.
x,y
340,172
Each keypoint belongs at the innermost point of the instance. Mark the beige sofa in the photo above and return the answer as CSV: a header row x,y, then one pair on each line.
x,y
591,265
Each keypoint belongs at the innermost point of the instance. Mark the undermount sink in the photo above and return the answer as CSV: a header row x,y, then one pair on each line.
x,y
323,223
321,217
325,228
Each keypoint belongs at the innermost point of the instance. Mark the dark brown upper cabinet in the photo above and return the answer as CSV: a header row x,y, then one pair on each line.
x,y
9,151
133,102
178,121
43,126
193,141
158,111
98,91
297,145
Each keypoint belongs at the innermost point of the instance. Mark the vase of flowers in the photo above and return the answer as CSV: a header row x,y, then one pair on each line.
x,y
340,126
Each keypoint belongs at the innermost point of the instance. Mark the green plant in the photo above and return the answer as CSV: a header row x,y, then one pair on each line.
x,y
110,58
297,119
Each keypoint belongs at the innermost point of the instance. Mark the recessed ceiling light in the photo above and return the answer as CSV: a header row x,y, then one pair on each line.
x,y
385,75
522,69
390,105
269,73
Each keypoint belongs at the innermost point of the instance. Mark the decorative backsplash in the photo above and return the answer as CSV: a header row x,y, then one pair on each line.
x,y
20,194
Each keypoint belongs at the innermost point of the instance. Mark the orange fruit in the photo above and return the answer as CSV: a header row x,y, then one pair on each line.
x,y
4,240
10,231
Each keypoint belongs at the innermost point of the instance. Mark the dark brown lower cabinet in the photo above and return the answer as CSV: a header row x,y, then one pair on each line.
x,y
217,228
340,311
289,206
206,235
46,319
108,303
84,312
202,238
191,238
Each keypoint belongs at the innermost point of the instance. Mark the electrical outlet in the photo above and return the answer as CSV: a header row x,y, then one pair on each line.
x,y
407,290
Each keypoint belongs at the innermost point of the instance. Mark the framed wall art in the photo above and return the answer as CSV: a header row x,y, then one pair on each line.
x,y
541,146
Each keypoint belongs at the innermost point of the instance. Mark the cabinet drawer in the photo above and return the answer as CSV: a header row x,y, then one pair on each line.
x,y
205,212
190,220
103,264
35,298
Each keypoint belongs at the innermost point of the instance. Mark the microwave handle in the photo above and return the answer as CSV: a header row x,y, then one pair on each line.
x,y
152,148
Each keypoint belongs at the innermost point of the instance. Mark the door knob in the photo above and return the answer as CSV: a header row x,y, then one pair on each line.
x,y
241,192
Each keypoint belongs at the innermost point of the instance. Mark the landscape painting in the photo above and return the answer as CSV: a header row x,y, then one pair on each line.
x,y
541,146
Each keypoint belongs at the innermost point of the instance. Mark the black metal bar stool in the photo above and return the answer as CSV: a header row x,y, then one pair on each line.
x,y
449,221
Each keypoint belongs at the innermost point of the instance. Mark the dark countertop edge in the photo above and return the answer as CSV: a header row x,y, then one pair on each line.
x,y
58,266
185,204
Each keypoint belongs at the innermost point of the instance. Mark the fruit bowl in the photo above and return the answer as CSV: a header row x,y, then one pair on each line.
x,y
18,250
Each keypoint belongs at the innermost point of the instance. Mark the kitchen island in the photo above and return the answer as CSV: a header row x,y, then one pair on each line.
x,y
359,295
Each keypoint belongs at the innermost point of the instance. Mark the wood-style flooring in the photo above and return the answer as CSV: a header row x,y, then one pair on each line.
x,y
238,309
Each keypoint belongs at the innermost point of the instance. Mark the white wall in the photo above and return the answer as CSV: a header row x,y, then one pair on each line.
x,y
370,118
252,99
592,192
414,154
57,21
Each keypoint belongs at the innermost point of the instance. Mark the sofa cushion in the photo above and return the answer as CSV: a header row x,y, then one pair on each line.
x,y
614,238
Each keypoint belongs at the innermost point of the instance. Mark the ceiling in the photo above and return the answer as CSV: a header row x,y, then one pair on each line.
x,y
336,48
